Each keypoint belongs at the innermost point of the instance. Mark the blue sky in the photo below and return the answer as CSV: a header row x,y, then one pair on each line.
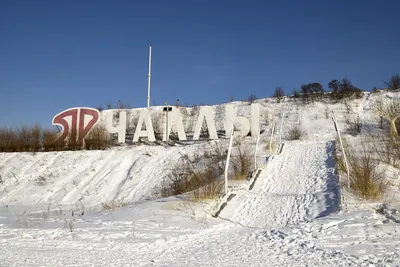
x,y
56,55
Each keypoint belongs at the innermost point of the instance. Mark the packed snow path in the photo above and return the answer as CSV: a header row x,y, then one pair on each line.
x,y
297,186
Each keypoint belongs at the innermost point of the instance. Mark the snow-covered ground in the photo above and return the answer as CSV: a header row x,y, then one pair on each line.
x,y
297,213
297,186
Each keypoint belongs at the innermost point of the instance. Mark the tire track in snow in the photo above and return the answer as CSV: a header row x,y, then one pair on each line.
x,y
293,191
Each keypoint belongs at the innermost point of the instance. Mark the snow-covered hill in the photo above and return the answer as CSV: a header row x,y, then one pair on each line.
x,y
297,214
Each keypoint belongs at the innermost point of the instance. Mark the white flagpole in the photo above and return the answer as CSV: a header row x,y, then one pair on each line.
x,y
148,79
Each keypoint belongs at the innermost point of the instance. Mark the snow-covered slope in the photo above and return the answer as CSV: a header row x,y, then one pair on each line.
x,y
297,186
125,174
295,215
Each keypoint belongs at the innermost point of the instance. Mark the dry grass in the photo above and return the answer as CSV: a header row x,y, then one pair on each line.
x,y
158,121
51,142
23,139
394,82
68,224
206,183
201,184
34,139
216,155
353,126
199,177
366,180
389,109
295,132
242,160
98,139
388,151
115,204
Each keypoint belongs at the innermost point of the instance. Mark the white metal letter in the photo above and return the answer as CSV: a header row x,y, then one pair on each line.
x,y
149,132
120,129
206,113
255,119
175,118
232,121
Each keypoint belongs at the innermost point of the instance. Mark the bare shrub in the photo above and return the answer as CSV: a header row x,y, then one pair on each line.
x,y
326,112
69,225
343,89
202,184
341,164
279,94
388,151
242,160
266,116
206,183
158,125
100,108
8,138
305,92
195,110
23,139
98,138
122,105
347,106
294,132
252,98
41,180
36,138
365,178
132,121
311,91
353,126
201,181
51,142
185,114
112,205
394,82
216,155
204,133
295,94
178,181
388,108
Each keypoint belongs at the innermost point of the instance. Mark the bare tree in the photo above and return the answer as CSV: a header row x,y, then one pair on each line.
x,y
279,94
252,98
343,88
388,108
334,85
394,82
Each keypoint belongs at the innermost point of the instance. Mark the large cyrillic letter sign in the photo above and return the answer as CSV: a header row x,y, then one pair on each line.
x,y
76,123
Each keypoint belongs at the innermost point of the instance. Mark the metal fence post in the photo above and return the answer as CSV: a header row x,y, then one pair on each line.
x,y
227,161
255,152
341,145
